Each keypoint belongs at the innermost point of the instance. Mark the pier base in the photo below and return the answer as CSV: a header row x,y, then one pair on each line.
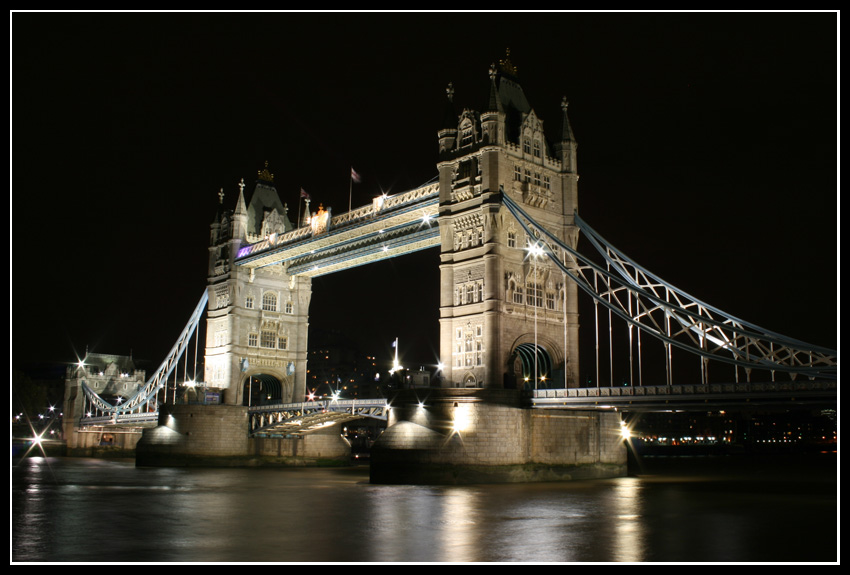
x,y
217,436
457,436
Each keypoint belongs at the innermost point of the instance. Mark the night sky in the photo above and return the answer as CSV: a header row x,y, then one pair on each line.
x,y
707,153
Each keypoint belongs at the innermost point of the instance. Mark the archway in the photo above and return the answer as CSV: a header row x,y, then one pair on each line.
x,y
525,364
261,389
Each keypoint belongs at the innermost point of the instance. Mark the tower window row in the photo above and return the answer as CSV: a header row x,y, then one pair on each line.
x,y
269,303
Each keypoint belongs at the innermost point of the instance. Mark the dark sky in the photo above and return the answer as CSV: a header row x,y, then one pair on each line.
x,y
707,152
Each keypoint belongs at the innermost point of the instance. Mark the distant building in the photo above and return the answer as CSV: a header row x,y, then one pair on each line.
x,y
114,378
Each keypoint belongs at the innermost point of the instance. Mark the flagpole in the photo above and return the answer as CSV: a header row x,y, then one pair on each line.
x,y
350,187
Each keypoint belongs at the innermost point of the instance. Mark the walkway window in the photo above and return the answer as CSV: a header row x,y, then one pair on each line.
x,y
269,302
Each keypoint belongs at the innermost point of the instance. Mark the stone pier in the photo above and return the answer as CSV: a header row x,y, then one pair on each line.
x,y
456,436
217,436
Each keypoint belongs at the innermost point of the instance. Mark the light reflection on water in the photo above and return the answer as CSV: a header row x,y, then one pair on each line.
x,y
87,510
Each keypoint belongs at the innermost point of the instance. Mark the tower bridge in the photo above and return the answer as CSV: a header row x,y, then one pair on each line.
x,y
503,212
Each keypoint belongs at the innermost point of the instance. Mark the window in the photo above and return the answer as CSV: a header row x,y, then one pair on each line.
x,y
536,179
252,340
550,300
535,295
269,302
536,149
288,307
517,174
268,339
249,302
511,239
526,146
282,342
518,295
547,183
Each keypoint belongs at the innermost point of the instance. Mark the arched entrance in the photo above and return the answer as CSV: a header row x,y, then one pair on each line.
x,y
261,389
526,363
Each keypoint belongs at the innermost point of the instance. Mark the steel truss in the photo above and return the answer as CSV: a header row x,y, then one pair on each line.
x,y
144,401
667,313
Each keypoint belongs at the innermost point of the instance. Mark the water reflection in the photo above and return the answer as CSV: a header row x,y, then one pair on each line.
x,y
626,512
85,510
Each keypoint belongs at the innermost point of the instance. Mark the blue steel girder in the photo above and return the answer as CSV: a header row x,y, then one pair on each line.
x,y
389,227
304,417
669,314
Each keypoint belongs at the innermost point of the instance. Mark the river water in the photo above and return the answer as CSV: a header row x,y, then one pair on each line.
x,y
708,509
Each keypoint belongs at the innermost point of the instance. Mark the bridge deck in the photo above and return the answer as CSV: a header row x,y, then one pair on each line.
x,y
700,397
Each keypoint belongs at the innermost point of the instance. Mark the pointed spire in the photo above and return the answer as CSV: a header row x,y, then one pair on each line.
x,y
240,203
566,129
449,113
494,103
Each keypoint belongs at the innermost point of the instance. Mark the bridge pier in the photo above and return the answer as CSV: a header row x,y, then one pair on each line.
x,y
458,436
217,436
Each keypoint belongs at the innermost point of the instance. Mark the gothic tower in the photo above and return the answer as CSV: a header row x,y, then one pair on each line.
x,y
508,316
256,340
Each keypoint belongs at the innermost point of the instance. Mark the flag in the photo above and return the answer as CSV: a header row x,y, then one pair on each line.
x,y
304,194
355,177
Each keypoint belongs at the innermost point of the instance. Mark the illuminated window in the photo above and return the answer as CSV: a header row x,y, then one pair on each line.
x,y
269,302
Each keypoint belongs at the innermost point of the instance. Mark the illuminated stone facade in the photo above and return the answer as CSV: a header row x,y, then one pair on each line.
x,y
497,299
114,378
256,340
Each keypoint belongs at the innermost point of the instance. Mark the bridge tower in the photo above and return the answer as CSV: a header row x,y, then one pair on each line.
x,y
256,339
508,317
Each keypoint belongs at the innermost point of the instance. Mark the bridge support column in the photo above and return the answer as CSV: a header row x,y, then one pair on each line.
x,y
217,436
456,436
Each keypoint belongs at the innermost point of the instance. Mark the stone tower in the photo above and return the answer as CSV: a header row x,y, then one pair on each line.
x,y
508,317
256,340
